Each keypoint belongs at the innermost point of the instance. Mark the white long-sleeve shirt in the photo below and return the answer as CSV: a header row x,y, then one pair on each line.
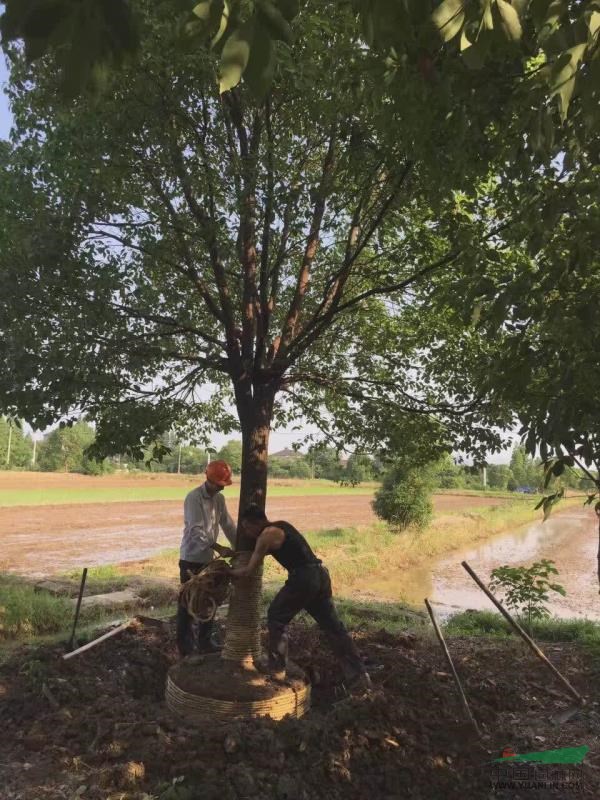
x,y
203,515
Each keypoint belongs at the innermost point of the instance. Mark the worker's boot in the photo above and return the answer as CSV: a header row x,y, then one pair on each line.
x,y
278,655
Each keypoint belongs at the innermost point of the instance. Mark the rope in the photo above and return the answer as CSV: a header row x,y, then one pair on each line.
x,y
242,639
206,591
288,702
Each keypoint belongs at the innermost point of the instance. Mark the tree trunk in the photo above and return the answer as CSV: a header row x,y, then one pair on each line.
x,y
597,510
242,641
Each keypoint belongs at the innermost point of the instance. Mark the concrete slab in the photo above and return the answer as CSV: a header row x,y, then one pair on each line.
x,y
57,588
111,600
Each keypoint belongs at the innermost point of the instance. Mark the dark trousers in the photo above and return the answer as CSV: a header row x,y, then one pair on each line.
x,y
309,588
185,623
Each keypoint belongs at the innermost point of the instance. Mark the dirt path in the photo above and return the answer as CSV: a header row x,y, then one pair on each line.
x,y
41,540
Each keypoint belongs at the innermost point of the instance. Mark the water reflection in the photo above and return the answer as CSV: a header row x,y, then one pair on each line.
x,y
569,539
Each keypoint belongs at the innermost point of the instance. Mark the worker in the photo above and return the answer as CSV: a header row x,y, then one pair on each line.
x,y
204,511
308,587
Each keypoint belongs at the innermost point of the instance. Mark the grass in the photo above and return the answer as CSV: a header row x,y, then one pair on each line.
x,y
146,493
27,614
551,629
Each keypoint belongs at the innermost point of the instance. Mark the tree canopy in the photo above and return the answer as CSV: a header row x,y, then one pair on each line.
x,y
173,254
549,46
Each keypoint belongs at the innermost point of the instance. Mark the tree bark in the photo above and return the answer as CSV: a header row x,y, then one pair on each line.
x,y
597,510
242,640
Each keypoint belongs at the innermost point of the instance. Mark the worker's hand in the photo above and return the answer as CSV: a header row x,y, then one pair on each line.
x,y
224,552
240,572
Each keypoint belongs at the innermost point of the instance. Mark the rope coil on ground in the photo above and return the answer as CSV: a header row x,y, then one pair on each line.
x,y
194,708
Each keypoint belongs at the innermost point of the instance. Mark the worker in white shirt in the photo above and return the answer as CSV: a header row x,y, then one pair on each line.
x,y
204,513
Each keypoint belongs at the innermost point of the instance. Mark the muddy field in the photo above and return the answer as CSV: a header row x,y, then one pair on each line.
x,y
41,540
97,727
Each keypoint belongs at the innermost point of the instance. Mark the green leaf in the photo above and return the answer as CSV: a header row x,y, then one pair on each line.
x,y
475,55
289,8
261,65
563,76
594,23
235,56
487,21
510,20
202,10
449,18
274,20
222,25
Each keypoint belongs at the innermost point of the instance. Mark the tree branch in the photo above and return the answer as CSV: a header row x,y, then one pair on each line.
x,y
312,243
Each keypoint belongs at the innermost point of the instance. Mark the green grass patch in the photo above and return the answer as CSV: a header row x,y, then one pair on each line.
x,y
146,493
25,613
105,578
552,629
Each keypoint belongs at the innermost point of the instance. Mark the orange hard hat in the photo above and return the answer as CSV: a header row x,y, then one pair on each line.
x,y
219,472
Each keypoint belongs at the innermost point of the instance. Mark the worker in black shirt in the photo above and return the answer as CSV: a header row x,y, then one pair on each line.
x,y
308,587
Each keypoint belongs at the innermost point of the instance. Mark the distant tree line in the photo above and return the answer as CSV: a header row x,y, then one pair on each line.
x,y
64,450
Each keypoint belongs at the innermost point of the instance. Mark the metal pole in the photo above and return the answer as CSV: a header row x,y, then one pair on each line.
x,y
179,461
442,642
81,588
526,638
34,451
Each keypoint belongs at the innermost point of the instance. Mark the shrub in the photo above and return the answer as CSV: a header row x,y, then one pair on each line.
x,y
404,499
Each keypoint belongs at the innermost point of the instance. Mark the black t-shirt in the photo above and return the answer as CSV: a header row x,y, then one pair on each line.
x,y
295,551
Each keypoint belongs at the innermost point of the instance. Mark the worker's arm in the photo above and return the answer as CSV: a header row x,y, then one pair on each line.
x,y
224,552
269,537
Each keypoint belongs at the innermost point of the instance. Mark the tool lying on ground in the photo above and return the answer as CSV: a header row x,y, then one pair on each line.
x,y
206,591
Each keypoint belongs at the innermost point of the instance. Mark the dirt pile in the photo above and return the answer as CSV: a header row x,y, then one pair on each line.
x,y
96,727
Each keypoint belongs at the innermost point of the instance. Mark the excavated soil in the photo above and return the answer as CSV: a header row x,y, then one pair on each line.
x,y
96,727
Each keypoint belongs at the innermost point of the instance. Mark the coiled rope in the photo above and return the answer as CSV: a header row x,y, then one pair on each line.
x,y
206,591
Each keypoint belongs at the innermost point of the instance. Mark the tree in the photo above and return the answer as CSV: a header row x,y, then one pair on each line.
x,y
519,466
232,453
531,301
298,467
449,475
527,588
15,449
63,450
359,468
326,464
170,252
404,499
498,476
